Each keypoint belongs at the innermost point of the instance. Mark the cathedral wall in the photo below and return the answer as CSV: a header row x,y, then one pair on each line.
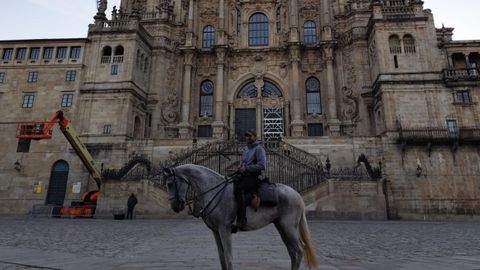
x,y
442,184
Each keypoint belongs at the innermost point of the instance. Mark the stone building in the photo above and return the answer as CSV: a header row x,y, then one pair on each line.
x,y
336,78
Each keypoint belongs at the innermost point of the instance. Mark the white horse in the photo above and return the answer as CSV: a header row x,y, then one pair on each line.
x,y
215,203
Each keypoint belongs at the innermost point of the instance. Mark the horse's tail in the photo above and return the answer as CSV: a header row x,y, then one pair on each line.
x,y
310,257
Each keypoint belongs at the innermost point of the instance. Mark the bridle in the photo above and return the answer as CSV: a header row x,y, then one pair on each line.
x,y
203,213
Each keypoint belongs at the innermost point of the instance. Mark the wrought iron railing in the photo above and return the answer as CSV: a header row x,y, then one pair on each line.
x,y
286,164
471,74
439,134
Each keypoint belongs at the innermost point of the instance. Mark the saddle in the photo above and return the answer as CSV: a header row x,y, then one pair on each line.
x,y
265,195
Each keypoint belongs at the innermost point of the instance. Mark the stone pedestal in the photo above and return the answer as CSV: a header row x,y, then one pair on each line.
x,y
185,131
219,130
298,128
334,127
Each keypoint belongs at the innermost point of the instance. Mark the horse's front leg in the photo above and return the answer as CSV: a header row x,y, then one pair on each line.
x,y
221,254
226,239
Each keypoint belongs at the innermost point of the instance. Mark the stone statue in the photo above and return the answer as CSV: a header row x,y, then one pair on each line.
x,y
102,6
114,13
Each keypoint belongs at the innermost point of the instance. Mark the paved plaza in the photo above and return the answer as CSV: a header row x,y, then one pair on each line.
x,y
176,244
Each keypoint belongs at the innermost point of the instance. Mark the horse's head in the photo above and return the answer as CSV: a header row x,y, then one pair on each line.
x,y
177,187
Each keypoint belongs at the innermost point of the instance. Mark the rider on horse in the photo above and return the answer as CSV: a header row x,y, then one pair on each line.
x,y
253,162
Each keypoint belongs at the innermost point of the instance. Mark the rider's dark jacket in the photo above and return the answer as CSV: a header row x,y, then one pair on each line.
x,y
254,158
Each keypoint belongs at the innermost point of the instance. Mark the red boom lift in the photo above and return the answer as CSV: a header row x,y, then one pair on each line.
x,y
43,130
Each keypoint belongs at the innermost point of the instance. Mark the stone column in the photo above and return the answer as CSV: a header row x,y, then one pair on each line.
x,y
297,123
259,116
185,128
189,33
219,125
333,122
294,36
221,23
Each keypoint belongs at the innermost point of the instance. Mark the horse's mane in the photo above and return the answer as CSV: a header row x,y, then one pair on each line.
x,y
208,170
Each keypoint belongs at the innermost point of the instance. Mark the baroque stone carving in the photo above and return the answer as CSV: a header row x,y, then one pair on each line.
x,y
350,105
208,14
169,112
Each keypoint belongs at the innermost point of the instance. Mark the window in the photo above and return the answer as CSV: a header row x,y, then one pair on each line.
x,y
395,61
21,53
71,75
61,52
32,76
204,131
395,45
315,129
409,44
309,33
75,52
278,24
206,98
34,53
47,53
270,90
107,51
258,30
462,96
67,100
248,90
7,54
107,129
2,77
28,101
23,145
452,128
119,50
114,70
208,39
106,55
314,104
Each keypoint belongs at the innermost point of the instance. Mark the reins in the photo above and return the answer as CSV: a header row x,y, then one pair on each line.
x,y
196,197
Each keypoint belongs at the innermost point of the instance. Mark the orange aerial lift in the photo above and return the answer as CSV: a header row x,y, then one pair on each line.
x,y
43,130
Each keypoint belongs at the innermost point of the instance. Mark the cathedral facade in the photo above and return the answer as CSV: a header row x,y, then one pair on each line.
x,y
336,78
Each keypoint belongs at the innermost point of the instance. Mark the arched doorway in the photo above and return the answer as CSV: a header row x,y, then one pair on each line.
x,y
260,105
58,183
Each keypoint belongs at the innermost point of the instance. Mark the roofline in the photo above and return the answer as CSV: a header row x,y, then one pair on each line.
x,y
43,40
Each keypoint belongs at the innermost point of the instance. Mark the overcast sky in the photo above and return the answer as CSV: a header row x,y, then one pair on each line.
x,y
33,19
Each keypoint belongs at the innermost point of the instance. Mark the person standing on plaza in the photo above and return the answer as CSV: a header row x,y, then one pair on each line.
x,y
132,201
253,162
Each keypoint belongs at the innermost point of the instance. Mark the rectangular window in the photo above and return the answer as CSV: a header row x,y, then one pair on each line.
x,y
47,53
75,52
452,128
462,96
2,77
61,52
7,54
28,101
34,53
23,145
107,129
205,131
315,130
71,75
114,70
32,76
67,100
21,53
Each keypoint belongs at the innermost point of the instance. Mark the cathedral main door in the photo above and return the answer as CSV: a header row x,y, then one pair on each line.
x,y
262,110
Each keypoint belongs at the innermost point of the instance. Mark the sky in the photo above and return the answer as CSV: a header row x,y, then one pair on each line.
x,y
37,19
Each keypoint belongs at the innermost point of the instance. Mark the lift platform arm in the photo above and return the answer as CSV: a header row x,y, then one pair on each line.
x,y
43,130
